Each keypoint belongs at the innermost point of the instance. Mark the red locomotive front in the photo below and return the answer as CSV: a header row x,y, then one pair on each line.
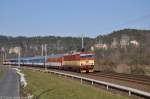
x,y
80,61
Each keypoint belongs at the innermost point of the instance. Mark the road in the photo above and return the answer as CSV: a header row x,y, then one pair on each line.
x,y
9,84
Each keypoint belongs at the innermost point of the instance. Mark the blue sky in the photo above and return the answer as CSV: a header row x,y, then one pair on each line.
x,y
71,17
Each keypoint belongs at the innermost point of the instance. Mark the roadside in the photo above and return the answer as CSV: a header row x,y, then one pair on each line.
x,y
9,83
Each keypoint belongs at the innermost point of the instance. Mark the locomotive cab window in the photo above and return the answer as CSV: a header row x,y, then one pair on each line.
x,y
87,56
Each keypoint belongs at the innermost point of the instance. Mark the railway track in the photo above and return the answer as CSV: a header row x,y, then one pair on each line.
x,y
140,79
137,79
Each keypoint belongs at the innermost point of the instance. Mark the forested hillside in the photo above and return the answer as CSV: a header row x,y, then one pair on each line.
x,y
139,35
31,46
128,51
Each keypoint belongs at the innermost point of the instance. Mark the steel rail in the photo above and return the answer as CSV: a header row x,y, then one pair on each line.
x,y
124,78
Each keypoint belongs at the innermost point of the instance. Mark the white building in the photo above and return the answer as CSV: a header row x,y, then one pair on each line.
x,y
134,43
101,46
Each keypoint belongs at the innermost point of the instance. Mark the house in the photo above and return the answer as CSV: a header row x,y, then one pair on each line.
x,y
134,43
101,46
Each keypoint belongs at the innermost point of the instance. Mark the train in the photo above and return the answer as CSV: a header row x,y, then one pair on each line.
x,y
78,61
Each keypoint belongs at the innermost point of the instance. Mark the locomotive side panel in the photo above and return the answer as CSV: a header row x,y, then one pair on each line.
x,y
72,62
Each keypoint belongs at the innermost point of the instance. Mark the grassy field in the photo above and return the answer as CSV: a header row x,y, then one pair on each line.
x,y
47,86
1,73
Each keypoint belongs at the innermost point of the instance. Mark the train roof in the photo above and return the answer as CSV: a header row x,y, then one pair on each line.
x,y
52,56
75,53
27,58
87,52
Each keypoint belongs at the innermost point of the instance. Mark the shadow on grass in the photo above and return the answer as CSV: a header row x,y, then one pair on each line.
x,y
48,90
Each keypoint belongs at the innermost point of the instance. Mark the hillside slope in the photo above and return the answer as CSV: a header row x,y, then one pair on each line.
x,y
128,51
32,45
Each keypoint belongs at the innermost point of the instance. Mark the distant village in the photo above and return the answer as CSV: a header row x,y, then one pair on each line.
x,y
124,42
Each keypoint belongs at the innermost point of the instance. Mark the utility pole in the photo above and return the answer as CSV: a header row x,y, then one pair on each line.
x,y
19,54
3,56
45,47
82,42
42,50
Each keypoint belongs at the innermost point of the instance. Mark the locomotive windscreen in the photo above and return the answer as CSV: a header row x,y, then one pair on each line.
x,y
87,55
